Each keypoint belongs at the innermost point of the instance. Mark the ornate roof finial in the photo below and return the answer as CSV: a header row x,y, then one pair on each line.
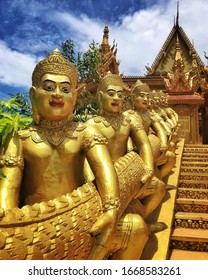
x,y
105,34
105,44
177,16
205,55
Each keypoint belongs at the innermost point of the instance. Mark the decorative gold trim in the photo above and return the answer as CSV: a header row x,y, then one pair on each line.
x,y
191,246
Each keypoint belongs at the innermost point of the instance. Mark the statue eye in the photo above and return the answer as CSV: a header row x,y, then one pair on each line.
x,y
110,93
48,88
65,90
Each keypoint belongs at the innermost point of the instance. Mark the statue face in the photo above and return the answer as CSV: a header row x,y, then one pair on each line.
x,y
163,101
53,98
156,101
141,100
112,99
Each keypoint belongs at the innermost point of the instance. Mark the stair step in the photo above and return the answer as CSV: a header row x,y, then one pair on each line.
x,y
203,184
195,150
191,216
195,169
195,145
194,173
195,163
192,201
177,254
195,158
194,235
191,205
193,193
189,239
191,220
198,151
195,153
194,176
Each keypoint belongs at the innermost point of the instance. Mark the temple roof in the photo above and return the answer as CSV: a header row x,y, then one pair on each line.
x,y
186,99
164,60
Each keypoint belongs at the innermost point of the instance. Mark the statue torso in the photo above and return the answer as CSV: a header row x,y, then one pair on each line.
x,y
53,161
117,130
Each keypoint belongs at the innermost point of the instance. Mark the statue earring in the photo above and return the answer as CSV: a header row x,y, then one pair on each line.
x,y
36,118
100,104
35,115
70,117
101,111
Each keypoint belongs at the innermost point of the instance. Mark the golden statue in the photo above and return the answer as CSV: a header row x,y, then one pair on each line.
x,y
118,127
164,160
172,115
48,209
168,110
156,109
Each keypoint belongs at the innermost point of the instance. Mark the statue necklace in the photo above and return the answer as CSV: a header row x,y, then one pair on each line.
x,y
116,120
54,132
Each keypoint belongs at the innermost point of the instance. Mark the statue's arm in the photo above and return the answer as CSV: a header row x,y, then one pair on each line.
x,y
143,145
168,120
171,116
12,165
97,154
166,127
96,151
161,134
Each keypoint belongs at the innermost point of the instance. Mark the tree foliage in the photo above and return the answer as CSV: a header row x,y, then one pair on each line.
x,y
86,106
24,105
13,117
87,63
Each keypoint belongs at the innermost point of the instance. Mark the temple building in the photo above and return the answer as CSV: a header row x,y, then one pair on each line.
x,y
180,72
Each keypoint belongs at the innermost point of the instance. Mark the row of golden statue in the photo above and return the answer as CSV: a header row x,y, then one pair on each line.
x,y
84,190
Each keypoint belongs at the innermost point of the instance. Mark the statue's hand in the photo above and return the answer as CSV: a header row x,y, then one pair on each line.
x,y
163,148
149,188
147,176
171,144
105,228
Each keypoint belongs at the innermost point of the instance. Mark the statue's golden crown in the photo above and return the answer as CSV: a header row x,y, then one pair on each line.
x,y
110,79
162,93
140,86
54,63
156,93
152,94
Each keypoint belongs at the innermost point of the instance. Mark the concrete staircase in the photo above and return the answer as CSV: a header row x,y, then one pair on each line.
x,y
189,237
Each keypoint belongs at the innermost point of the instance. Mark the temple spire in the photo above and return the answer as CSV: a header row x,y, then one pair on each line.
x,y
105,44
176,21
177,16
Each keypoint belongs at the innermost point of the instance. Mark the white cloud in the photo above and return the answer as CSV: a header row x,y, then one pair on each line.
x,y
84,29
15,67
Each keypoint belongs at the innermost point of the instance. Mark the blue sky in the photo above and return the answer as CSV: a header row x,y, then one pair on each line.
x,y
30,27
